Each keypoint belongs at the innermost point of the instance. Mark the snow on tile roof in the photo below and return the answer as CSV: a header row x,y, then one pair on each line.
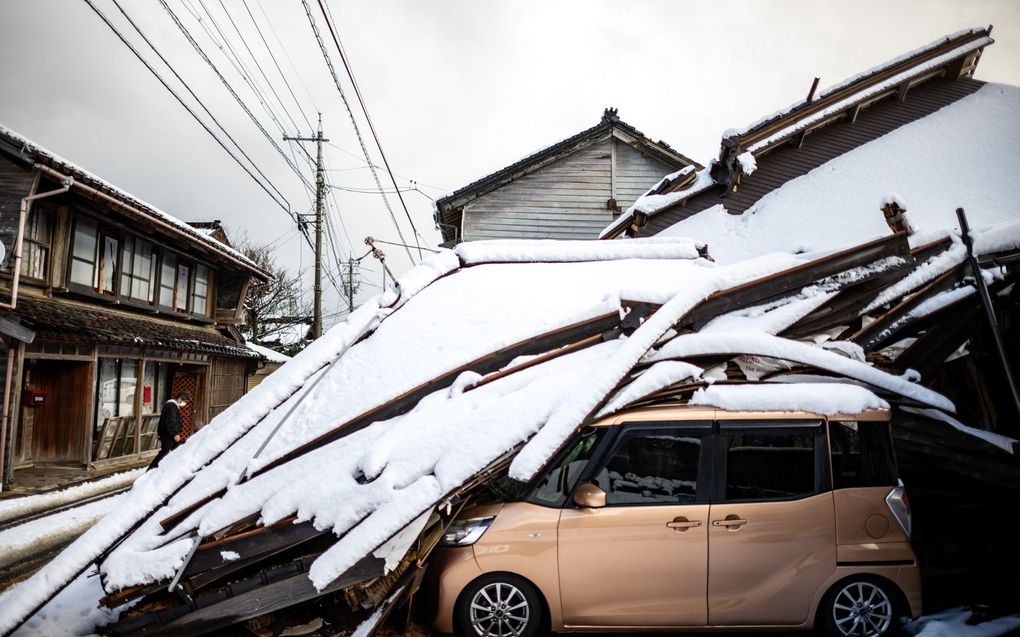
x,y
271,355
963,155
39,153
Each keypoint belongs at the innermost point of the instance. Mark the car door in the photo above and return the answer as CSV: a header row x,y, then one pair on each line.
x,y
640,560
772,531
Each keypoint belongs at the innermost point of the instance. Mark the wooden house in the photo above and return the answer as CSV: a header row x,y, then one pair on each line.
x,y
569,190
108,306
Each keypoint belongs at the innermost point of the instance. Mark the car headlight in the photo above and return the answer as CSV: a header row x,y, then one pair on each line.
x,y
466,532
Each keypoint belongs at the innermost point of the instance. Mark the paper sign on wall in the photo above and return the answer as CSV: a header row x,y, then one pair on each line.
x,y
147,394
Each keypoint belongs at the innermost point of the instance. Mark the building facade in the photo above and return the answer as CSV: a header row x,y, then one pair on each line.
x,y
569,190
108,307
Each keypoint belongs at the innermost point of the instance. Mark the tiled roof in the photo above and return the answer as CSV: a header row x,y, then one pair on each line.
x,y
64,319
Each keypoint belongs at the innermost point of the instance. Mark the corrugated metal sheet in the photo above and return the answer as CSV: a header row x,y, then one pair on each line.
x,y
820,146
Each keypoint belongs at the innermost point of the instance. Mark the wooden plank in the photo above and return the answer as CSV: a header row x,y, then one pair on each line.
x,y
266,592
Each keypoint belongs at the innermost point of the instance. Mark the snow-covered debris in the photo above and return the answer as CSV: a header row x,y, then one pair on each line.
x,y
748,164
339,414
1000,238
18,542
701,344
824,399
955,623
650,204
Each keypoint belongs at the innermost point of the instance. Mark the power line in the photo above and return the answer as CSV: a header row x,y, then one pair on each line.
x,y
230,89
277,65
283,204
328,15
231,55
354,123
285,54
258,66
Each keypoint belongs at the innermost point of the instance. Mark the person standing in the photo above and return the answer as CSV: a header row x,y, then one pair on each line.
x,y
170,426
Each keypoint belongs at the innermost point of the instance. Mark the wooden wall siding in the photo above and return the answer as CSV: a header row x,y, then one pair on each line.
x,y
564,200
15,183
789,162
635,173
226,384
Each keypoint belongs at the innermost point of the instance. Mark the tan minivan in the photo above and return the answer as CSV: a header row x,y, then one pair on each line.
x,y
690,518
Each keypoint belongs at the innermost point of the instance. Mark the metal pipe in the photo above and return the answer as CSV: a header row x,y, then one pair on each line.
x,y
66,183
3,420
986,301
149,218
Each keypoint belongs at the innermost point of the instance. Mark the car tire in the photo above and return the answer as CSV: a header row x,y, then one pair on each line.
x,y
500,605
861,607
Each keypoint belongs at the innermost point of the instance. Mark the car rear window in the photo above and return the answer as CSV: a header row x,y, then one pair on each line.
x,y
862,454
773,462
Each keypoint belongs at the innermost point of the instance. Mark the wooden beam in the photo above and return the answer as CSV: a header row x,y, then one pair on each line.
x,y
781,284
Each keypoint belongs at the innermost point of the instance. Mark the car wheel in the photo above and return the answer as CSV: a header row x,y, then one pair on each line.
x,y
861,607
498,605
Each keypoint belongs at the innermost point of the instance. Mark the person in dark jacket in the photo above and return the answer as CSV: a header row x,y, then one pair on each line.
x,y
170,426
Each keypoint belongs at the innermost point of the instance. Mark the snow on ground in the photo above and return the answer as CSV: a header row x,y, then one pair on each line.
x,y
26,505
73,612
963,155
52,530
953,623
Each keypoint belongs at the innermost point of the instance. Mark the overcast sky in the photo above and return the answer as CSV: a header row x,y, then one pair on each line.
x,y
455,89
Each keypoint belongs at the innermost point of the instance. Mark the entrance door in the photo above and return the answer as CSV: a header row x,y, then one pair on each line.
x,y
772,539
642,559
188,383
58,425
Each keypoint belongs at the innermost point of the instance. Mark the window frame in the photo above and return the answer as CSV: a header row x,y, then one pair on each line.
x,y
624,431
777,425
103,232
124,293
29,243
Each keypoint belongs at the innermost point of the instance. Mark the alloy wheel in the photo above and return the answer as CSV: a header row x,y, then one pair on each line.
x,y
499,610
862,609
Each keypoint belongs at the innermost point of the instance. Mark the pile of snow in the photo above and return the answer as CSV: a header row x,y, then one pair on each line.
x,y
270,355
26,505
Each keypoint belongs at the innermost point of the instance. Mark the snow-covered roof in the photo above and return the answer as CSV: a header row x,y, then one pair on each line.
x,y
37,153
963,155
940,63
270,355
339,413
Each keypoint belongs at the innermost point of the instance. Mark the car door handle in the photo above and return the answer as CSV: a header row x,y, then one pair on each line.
x,y
681,524
731,521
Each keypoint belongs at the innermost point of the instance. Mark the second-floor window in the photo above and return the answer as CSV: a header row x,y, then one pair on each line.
x,y
94,257
37,241
137,279
200,296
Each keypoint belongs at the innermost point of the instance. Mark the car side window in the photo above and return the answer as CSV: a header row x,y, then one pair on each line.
x,y
767,461
562,473
652,466
862,454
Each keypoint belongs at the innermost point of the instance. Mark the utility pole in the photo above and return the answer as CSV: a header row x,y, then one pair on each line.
x,y
350,285
320,195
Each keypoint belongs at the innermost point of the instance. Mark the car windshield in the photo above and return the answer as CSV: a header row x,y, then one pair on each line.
x,y
554,485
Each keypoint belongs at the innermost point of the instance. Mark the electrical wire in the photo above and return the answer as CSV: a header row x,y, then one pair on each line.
x,y
230,89
328,15
283,204
272,57
350,113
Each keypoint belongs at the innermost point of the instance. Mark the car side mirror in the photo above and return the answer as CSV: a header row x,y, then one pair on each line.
x,y
589,496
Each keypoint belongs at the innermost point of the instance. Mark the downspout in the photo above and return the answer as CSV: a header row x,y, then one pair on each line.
x,y
26,203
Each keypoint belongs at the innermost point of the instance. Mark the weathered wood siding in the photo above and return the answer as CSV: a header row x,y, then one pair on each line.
x,y
15,183
227,383
564,200
789,162
635,173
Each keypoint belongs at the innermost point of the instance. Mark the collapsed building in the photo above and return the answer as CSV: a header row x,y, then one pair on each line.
x,y
336,477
